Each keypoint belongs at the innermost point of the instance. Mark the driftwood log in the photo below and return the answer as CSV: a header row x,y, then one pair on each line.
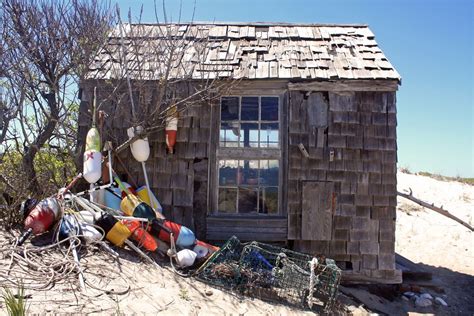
x,y
439,210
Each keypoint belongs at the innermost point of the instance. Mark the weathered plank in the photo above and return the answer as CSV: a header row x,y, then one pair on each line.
x,y
317,110
317,211
346,85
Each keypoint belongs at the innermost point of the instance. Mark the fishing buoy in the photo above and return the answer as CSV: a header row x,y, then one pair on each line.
x,y
183,236
27,206
89,232
115,232
203,249
92,157
130,190
131,205
43,215
143,194
140,235
140,148
185,258
41,218
86,217
68,227
112,198
171,129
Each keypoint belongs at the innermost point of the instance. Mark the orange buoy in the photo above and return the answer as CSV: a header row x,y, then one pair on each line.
x,y
140,235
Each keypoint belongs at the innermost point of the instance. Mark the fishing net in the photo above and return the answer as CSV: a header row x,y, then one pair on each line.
x,y
273,273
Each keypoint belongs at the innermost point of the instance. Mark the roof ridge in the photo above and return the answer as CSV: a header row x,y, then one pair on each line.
x,y
223,23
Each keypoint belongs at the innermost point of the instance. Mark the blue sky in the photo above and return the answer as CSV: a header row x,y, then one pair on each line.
x,y
430,42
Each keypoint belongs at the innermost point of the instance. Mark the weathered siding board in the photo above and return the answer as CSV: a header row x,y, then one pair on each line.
x,y
361,139
269,229
317,210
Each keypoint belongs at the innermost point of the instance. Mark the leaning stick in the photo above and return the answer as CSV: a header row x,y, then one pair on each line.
x,y
439,210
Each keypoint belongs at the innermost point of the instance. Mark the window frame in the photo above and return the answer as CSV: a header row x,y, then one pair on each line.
x,y
249,153
259,122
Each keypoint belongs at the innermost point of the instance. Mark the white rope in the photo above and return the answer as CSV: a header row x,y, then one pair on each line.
x,y
312,280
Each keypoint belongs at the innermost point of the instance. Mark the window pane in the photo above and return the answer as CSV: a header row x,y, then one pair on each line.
x,y
228,170
249,172
248,198
229,108
268,202
269,172
249,109
269,135
227,200
229,135
249,135
269,109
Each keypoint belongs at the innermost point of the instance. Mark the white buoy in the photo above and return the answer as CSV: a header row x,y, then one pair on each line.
x,y
141,151
92,157
185,258
140,148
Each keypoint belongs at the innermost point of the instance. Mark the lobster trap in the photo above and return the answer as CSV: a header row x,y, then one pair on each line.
x,y
273,273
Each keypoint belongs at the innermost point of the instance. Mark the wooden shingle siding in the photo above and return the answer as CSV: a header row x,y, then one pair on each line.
x,y
179,181
361,138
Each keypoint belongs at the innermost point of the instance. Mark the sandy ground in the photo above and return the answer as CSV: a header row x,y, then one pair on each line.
x,y
440,245
131,286
446,243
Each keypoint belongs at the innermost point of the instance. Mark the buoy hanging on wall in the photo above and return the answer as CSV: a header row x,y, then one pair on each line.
x,y
171,128
140,148
141,151
92,155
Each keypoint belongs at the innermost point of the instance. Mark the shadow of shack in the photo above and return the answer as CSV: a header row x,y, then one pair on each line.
x,y
301,149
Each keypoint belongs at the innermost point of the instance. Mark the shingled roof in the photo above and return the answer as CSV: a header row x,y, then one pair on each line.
x,y
248,51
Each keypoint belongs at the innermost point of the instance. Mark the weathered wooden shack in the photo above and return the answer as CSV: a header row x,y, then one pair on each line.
x,y
302,150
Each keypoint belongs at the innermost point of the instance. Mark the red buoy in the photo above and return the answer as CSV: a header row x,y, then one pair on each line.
x,y
41,218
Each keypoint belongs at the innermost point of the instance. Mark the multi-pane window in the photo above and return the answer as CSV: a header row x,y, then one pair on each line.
x,y
247,185
249,122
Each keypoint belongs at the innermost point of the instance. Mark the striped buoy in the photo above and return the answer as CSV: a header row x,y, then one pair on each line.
x,y
43,215
41,218
171,128
183,236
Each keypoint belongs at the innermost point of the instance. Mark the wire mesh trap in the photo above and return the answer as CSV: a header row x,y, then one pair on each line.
x,y
273,273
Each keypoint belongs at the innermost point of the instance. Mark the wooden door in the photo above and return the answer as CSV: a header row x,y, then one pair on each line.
x,y
317,206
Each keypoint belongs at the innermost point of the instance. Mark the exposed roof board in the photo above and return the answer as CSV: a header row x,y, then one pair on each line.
x,y
243,51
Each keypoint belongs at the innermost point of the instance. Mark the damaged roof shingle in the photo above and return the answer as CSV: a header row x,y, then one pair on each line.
x,y
247,51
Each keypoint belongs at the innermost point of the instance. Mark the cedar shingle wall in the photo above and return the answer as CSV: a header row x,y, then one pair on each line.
x,y
179,181
361,137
